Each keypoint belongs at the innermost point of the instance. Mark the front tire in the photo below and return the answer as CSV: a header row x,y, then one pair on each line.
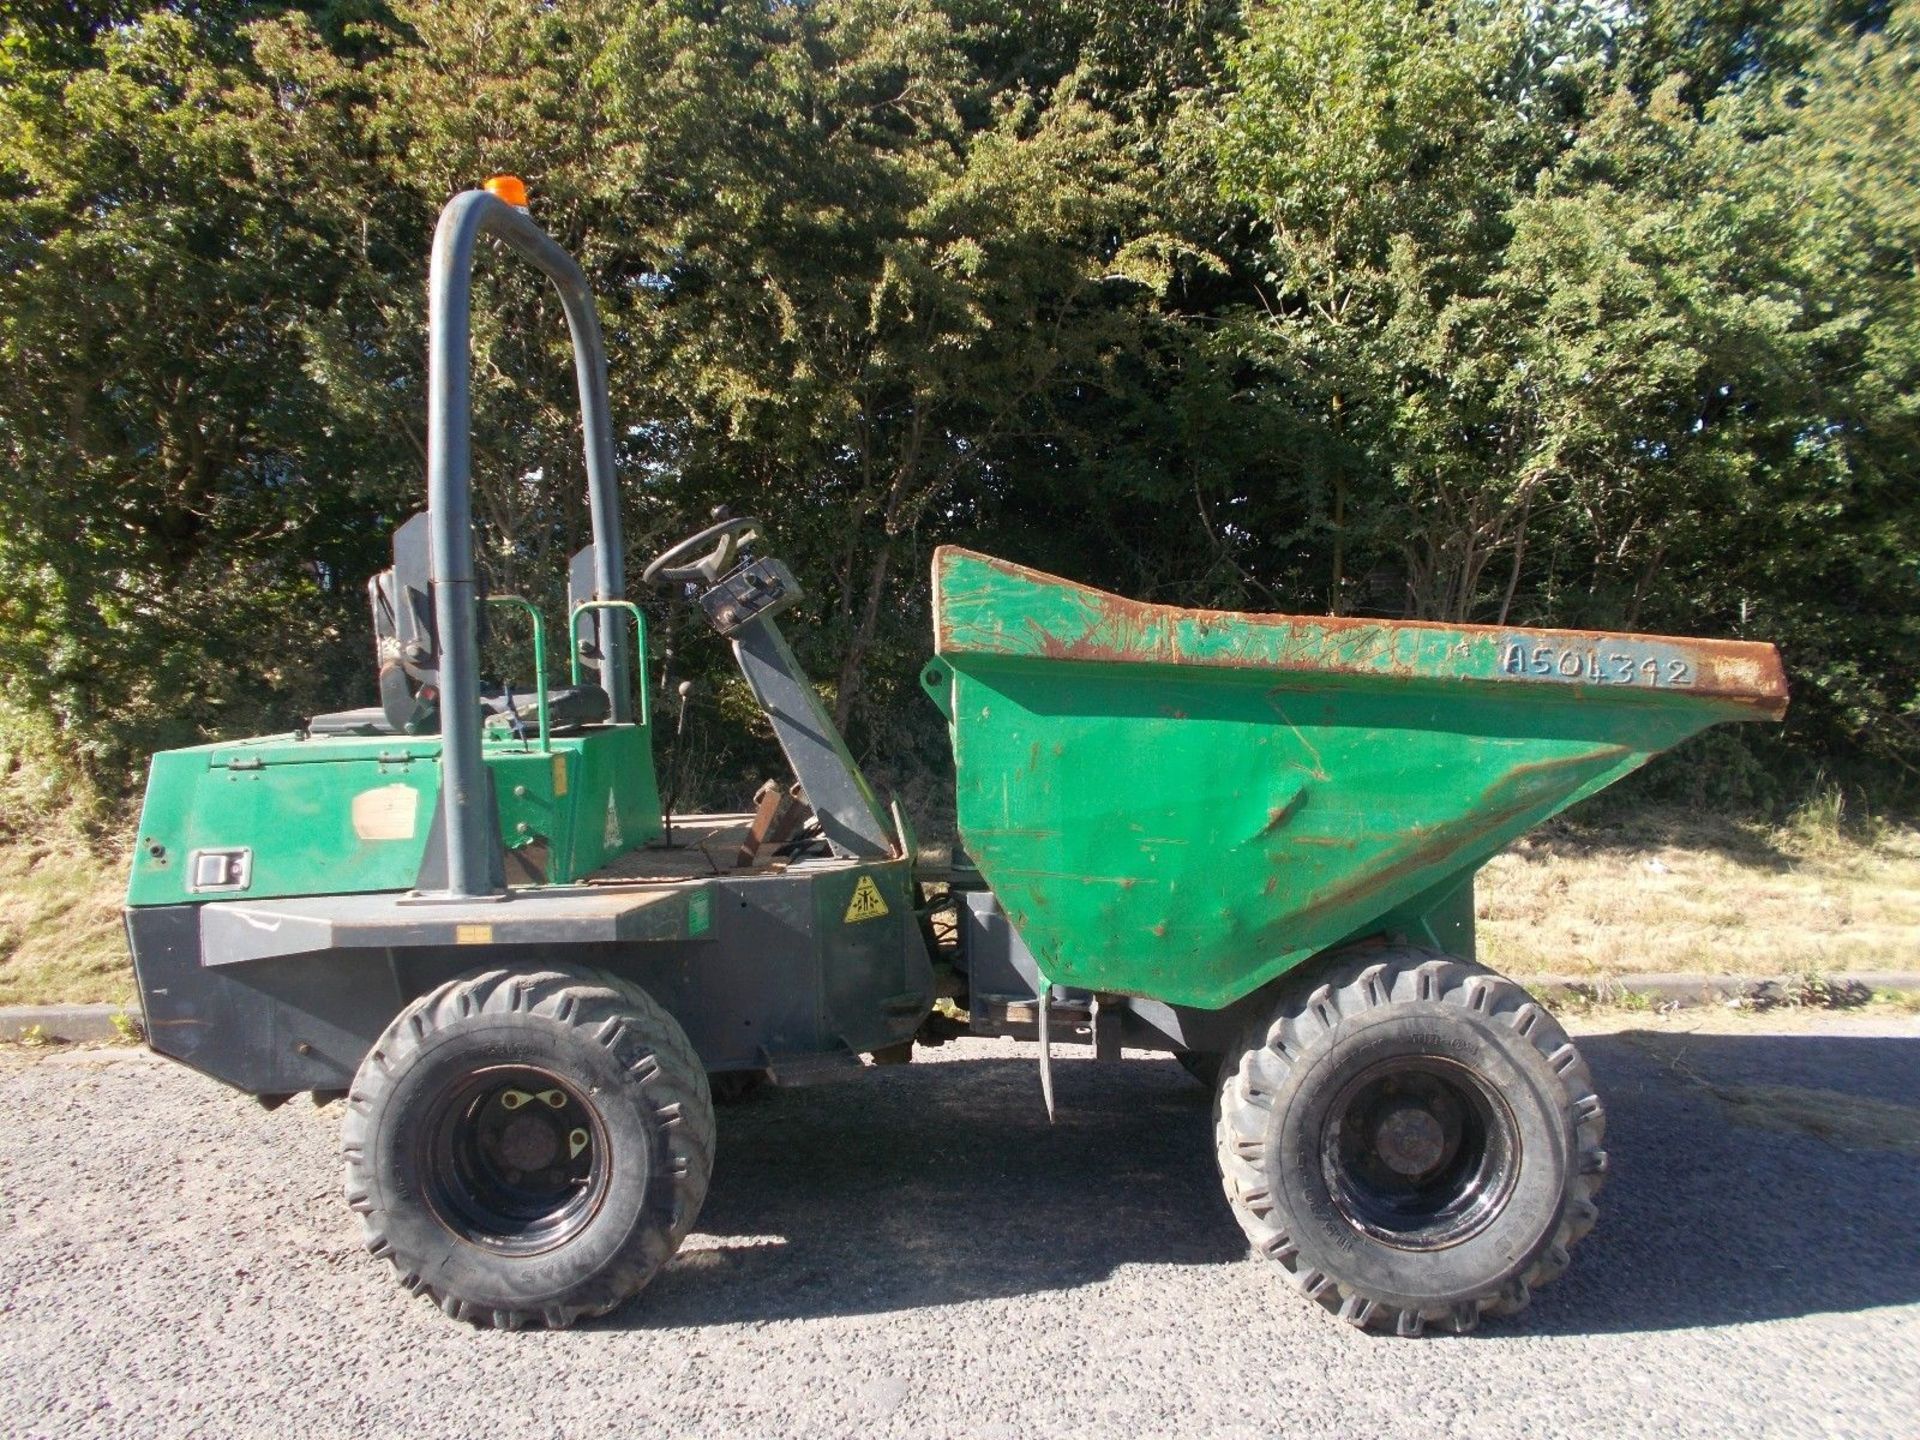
x,y
529,1148
1414,1141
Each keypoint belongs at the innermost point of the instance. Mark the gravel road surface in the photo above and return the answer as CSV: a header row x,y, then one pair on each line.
x,y
922,1255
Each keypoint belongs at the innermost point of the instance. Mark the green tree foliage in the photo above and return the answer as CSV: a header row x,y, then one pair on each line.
x,y
185,512
1564,314
1596,341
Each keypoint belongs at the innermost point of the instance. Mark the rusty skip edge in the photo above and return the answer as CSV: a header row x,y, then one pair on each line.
x,y
990,607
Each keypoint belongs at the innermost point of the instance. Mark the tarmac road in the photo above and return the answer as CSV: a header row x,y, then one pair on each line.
x,y
921,1255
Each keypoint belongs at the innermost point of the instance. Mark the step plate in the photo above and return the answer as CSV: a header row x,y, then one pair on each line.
x,y
235,932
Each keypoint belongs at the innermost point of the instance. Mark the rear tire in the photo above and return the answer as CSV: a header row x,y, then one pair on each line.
x,y
1414,1141
529,1148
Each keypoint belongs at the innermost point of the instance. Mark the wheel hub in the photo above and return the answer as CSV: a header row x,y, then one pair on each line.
x,y
1411,1140
516,1159
1419,1152
529,1143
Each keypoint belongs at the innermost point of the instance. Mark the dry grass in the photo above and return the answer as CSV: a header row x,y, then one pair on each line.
x,y
60,936
1669,892
1661,892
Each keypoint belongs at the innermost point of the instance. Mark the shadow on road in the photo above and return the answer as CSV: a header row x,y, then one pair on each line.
x,y
936,1183
1710,1219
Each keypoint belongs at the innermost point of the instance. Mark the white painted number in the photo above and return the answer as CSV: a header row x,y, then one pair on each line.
x,y
1597,667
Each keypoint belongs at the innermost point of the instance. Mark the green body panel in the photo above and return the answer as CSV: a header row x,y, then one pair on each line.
x,y
337,815
607,803
1185,804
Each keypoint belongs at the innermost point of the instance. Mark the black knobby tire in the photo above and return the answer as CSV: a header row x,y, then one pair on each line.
x,y
617,1138
1413,1141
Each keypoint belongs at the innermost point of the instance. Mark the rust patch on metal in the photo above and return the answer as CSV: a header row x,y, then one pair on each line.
x,y
1117,630
1428,846
1278,815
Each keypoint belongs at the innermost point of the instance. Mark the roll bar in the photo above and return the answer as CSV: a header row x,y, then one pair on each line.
x,y
469,828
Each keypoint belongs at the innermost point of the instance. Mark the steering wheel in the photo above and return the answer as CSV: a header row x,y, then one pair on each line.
x,y
726,538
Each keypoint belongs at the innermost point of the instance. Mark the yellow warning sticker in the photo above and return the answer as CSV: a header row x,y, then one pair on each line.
x,y
473,934
866,903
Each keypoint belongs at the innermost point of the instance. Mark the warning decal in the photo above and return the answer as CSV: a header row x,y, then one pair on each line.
x,y
391,812
866,903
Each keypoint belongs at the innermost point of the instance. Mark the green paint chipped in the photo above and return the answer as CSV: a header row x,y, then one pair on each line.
x,y
1185,804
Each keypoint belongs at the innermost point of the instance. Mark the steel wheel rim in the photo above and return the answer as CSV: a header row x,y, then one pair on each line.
x,y
1420,1152
516,1159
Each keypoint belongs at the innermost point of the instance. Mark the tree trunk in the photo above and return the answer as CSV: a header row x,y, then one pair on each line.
x,y
853,663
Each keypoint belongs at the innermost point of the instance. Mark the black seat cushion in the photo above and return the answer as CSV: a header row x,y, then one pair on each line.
x,y
371,720
568,708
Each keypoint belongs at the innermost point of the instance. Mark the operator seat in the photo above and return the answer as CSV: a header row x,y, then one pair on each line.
x,y
407,648
568,708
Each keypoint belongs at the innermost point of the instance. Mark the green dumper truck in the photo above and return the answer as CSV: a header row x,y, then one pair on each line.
x,y
1245,840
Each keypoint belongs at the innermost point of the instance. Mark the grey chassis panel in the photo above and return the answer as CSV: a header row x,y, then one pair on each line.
x,y
1001,971
778,974
234,932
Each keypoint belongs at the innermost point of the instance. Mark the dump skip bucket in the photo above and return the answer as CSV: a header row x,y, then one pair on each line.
x,y
1184,804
